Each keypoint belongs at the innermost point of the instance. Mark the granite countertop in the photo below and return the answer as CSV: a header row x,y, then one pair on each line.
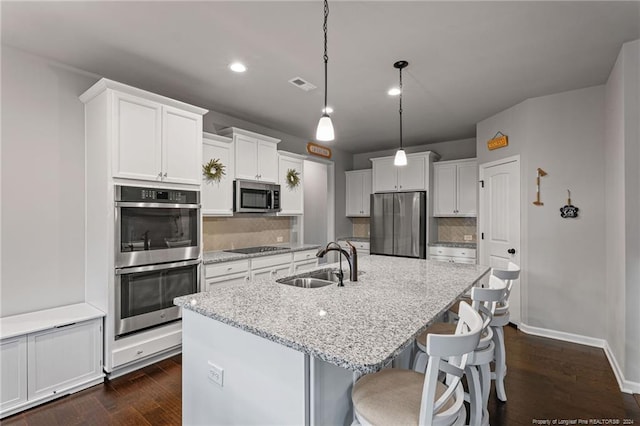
x,y
453,244
360,326
224,256
358,239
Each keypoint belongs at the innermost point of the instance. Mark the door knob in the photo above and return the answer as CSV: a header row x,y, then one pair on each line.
x,y
511,251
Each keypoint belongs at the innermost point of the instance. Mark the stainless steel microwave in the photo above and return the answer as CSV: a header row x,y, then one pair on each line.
x,y
255,197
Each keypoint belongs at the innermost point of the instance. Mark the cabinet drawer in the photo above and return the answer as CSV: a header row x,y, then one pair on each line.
x,y
304,255
267,261
453,251
146,348
359,245
225,268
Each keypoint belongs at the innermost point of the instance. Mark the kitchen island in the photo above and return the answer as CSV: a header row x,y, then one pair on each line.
x,y
268,353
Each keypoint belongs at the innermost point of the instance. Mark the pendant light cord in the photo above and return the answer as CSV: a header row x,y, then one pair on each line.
x,y
326,57
400,108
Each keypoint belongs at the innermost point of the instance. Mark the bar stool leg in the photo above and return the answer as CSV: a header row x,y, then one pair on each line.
x,y
498,336
475,395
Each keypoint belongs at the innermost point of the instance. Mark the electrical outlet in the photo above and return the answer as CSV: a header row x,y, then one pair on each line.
x,y
215,374
468,237
279,239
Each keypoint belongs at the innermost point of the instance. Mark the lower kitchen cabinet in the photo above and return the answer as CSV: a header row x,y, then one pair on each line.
x,y
49,354
274,266
226,273
304,260
362,247
452,254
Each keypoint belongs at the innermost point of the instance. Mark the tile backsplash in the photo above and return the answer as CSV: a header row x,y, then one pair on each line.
x,y
453,229
238,232
360,227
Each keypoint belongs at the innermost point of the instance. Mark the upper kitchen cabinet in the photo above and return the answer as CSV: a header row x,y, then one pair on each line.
x,y
358,191
146,136
291,193
412,177
217,196
256,155
455,192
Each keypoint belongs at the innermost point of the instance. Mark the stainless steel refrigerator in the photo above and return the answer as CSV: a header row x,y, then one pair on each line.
x,y
398,224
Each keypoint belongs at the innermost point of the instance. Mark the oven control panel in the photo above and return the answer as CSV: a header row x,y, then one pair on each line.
x,y
151,195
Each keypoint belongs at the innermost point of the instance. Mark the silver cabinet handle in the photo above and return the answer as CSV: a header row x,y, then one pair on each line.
x,y
165,174
159,175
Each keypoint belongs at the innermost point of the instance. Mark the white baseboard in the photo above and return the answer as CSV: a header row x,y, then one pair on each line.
x,y
626,386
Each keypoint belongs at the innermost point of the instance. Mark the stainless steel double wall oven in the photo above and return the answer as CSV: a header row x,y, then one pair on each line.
x,y
157,254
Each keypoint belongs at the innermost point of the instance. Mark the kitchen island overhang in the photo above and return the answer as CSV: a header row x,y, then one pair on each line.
x,y
325,334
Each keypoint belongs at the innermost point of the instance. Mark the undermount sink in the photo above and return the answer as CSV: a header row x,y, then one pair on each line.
x,y
315,279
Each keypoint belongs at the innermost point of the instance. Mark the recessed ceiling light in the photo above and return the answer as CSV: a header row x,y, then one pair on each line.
x,y
394,91
327,110
237,67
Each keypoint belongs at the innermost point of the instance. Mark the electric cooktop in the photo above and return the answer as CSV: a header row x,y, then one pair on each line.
x,y
260,249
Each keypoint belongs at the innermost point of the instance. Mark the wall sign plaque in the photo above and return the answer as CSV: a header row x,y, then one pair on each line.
x,y
500,140
319,150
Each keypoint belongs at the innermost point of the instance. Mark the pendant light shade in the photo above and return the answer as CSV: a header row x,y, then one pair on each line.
x,y
401,156
324,132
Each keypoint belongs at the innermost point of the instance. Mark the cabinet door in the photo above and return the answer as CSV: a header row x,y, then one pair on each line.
x,y
304,266
354,194
13,372
226,281
413,176
291,199
385,175
181,146
64,357
217,197
246,157
267,161
272,273
444,176
366,193
137,138
467,189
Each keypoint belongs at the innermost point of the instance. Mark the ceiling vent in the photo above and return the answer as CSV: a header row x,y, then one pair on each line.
x,y
303,84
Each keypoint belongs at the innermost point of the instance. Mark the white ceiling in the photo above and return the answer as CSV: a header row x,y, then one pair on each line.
x,y
467,60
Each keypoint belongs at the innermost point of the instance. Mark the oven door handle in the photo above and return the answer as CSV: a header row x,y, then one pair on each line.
x,y
156,205
150,268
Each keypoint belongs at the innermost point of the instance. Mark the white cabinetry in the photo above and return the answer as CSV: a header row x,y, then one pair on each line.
x,y
304,260
151,138
13,369
217,197
358,192
226,273
49,354
455,190
256,155
273,266
452,254
291,198
412,177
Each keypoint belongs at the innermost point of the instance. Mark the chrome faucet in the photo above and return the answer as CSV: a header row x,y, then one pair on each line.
x,y
351,256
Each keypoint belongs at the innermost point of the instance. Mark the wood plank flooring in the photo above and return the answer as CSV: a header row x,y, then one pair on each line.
x,y
546,380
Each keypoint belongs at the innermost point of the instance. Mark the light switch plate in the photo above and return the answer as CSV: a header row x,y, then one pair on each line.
x,y
468,237
215,374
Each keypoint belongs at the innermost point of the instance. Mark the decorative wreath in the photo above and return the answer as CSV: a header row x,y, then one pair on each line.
x,y
213,170
293,178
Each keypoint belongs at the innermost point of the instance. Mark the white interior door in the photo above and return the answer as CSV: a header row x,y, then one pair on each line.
x,y
500,221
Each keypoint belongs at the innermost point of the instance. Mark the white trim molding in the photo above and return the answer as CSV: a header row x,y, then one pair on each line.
x,y
626,386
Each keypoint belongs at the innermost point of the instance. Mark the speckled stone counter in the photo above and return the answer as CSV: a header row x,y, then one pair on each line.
x,y
358,239
452,244
360,326
224,256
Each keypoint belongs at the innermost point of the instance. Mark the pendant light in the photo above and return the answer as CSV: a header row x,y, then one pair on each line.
x,y
324,132
401,156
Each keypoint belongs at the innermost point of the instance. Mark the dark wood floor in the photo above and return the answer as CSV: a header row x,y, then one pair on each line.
x,y
546,379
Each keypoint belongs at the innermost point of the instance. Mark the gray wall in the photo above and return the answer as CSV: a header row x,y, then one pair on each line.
x,y
562,259
451,150
622,157
42,183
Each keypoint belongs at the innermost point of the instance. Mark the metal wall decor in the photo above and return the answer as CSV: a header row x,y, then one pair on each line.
x,y
500,140
569,211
